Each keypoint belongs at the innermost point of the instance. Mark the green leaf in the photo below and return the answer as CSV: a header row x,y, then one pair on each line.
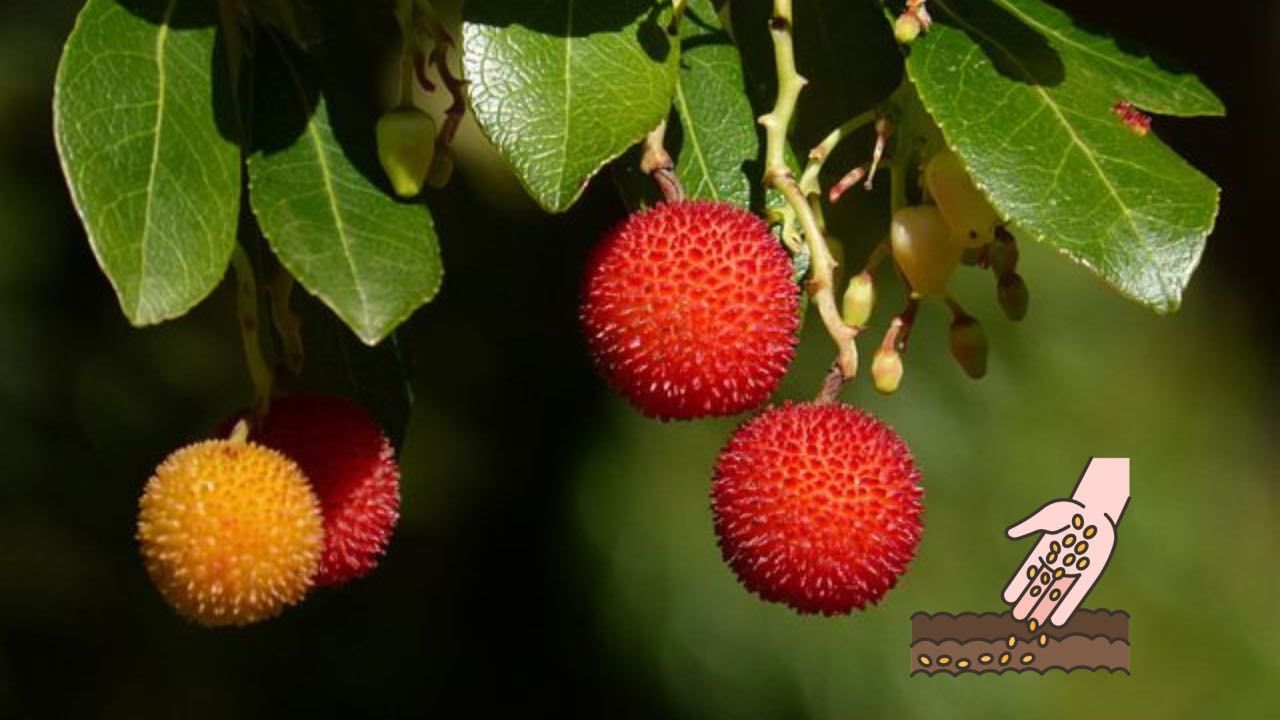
x,y
154,169
562,87
321,201
718,141
1028,107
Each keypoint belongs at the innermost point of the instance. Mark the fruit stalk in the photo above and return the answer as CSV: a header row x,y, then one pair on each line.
x,y
778,175
656,162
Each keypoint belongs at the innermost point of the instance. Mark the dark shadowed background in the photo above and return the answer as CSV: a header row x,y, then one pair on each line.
x,y
556,554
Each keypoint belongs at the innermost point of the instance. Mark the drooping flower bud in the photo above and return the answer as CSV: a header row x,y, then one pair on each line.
x,y
907,28
859,300
969,345
887,370
406,145
1012,295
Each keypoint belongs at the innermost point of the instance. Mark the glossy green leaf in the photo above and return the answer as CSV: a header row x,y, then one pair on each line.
x,y
322,202
153,173
719,150
1025,97
562,87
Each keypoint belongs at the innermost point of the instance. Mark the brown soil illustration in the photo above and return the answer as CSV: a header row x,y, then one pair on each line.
x,y
995,642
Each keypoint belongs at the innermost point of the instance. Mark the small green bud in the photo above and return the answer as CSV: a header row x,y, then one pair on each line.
x,y
969,345
906,28
441,171
1004,255
886,370
1012,294
859,300
406,144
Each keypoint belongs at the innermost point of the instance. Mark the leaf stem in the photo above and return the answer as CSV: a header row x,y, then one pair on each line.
x,y
248,320
778,175
656,163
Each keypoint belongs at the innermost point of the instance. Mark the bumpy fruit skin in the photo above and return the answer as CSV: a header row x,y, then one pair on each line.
x,y
230,532
352,467
690,310
817,506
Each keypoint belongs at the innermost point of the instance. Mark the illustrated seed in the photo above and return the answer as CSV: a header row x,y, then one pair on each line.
x,y
1081,547
944,659
1084,563
925,661
1053,557
1031,573
1055,594
1044,577
1059,572
1069,560
1044,639
1004,658
1077,521
1032,625
1035,590
1090,531
1013,640
984,658
1069,540
1054,547
1028,658
964,663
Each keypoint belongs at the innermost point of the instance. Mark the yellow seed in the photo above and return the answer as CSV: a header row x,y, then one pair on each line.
x,y
1084,563
1035,590
1055,594
1031,572
1032,625
944,659
1004,658
925,661
1081,547
1013,640
1069,560
1044,577
1090,531
1053,557
1069,540
1026,659
962,663
1044,640
1059,572
984,658
1077,521
1054,546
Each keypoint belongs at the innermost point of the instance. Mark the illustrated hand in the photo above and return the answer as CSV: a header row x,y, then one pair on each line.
x,y
1077,537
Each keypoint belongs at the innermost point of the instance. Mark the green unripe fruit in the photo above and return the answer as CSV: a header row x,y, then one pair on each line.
x,y
969,346
859,300
923,249
887,370
966,210
1012,294
406,145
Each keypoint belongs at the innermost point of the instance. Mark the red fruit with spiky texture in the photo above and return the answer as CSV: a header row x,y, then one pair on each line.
x,y
817,506
352,467
690,310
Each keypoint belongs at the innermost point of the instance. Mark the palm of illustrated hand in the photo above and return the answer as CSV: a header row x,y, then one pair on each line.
x,y
1077,537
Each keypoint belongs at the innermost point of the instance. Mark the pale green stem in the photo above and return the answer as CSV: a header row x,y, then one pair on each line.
x,y
779,177
248,320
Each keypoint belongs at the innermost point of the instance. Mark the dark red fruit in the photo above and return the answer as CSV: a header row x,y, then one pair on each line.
x,y
690,310
352,467
817,506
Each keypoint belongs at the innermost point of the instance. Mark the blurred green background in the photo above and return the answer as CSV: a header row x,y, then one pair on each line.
x,y
556,553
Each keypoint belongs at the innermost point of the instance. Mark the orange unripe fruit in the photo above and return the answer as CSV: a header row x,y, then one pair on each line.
x,y
230,532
